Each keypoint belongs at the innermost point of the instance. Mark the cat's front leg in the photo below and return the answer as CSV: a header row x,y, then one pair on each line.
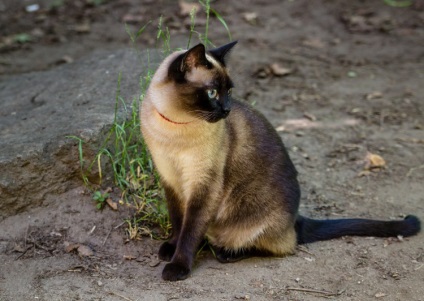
x,y
167,249
192,232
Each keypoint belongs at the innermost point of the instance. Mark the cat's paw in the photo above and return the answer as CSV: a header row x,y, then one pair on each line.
x,y
226,256
229,256
175,272
166,251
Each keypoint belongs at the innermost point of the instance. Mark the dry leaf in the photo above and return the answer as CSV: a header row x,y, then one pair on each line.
x,y
278,70
364,173
112,204
373,161
85,251
251,18
69,247
380,295
187,7
280,128
374,95
314,43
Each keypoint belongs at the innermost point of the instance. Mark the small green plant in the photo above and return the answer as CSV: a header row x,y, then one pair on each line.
x,y
96,2
100,199
399,3
22,38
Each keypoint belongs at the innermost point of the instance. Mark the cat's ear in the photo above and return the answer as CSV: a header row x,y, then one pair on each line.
x,y
220,52
194,57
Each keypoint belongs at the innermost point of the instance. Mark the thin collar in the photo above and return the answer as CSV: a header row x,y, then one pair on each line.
x,y
171,121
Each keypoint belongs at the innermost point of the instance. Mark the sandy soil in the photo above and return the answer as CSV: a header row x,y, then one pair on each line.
x,y
338,80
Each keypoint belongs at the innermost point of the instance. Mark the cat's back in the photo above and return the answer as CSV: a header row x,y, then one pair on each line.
x,y
256,146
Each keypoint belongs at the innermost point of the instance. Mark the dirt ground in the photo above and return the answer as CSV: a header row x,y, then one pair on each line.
x,y
338,79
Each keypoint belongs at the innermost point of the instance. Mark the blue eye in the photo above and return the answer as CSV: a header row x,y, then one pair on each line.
x,y
212,93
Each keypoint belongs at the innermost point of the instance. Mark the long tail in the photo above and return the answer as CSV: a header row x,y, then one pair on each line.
x,y
310,230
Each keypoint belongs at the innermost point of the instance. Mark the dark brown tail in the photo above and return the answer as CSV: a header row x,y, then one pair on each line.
x,y
310,230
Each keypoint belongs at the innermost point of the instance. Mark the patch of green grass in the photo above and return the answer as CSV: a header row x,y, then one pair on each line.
x,y
22,38
399,3
123,152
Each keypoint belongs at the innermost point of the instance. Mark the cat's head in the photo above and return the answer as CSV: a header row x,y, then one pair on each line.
x,y
201,82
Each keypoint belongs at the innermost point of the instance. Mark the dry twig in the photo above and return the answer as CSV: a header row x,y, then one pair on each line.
x,y
313,291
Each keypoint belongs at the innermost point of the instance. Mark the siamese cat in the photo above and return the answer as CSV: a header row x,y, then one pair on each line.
x,y
226,173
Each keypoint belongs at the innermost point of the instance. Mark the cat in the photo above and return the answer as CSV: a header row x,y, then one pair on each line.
x,y
225,171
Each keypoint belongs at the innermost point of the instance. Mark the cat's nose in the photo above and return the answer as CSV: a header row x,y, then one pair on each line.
x,y
226,110
226,107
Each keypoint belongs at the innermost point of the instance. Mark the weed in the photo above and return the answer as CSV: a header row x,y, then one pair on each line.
x,y
22,38
399,3
100,199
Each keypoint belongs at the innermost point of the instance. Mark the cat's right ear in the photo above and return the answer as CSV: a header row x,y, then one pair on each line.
x,y
194,57
220,53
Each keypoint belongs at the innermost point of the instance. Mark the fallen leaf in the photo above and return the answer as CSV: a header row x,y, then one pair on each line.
x,y
85,251
278,70
374,95
314,43
69,247
280,128
373,161
129,257
187,7
364,173
251,18
112,204
380,295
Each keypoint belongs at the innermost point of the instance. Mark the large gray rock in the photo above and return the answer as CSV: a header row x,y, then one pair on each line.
x,y
39,110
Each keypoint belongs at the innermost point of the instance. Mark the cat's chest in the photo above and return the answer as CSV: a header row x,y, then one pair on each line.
x,y
184,168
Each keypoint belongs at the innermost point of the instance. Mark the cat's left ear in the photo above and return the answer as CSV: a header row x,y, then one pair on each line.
x,y
220,52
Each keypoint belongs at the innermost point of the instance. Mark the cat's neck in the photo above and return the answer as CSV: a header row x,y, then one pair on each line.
x,y
172,121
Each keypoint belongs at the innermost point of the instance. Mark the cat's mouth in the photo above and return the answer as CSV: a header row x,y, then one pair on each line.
x,y
216,116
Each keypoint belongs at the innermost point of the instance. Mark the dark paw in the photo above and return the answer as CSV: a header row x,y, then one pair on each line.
x,y
227,257
174,272
166,251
